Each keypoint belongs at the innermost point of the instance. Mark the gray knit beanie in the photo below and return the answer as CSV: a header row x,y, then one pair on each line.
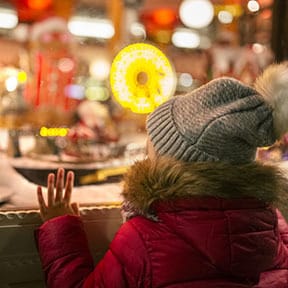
x,y
224,120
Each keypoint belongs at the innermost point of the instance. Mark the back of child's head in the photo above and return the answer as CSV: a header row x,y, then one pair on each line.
x,y
224,120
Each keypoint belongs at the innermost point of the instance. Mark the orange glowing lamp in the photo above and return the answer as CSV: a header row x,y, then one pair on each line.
x,y
39,4
164,17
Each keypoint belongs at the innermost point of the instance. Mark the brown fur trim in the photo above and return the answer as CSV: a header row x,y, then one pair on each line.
x,y
166,179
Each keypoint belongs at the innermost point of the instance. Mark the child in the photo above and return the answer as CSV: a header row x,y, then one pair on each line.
x,y
200,212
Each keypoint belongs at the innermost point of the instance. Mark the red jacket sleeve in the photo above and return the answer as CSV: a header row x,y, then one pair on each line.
x,y
64,252
281,259
283,227
67,262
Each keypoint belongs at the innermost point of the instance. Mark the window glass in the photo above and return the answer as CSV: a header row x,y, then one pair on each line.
x,y
58,106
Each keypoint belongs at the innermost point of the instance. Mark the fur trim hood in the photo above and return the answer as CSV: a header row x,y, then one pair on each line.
x,y
167,179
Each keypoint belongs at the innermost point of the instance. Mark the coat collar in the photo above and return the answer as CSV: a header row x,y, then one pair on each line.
x,y
165,179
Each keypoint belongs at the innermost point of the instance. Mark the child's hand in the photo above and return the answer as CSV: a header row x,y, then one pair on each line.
x,y
57,204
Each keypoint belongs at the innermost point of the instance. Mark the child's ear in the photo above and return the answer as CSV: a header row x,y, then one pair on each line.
x,y
150,150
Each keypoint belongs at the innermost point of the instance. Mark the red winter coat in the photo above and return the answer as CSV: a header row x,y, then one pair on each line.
x,y
198,226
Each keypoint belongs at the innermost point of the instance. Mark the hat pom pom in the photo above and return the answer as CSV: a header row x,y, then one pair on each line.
x,y
273,86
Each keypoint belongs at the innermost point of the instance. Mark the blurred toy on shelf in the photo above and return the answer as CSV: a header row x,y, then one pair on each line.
x,y
53,65
94,135
243,62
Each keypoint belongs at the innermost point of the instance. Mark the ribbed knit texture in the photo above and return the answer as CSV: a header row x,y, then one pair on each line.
x,y
223,120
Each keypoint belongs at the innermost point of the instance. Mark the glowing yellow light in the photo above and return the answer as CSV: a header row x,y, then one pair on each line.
x,y
235,10
63,132
43,131
22,77
143,105
142,78
53,132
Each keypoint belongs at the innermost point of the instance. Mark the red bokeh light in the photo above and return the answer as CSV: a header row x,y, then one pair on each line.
x,y
164,16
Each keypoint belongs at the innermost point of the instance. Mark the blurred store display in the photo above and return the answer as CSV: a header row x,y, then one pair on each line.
x,y
58,107
58,104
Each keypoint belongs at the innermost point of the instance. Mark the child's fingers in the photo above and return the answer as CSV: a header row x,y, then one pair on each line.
x,y
69,187
59,185
75,208
41,200
50,189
